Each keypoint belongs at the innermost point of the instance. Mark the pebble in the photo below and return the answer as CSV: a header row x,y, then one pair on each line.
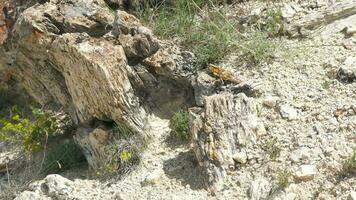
x,y
288,112
306,172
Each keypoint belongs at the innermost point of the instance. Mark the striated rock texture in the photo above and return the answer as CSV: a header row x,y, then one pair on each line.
x,y
343,12
225,125
94,62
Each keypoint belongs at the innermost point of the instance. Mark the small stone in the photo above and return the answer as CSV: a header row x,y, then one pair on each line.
x,y
270,101
259,189
240,157
347,72
352,196
306,172
153,178
350,30
288,112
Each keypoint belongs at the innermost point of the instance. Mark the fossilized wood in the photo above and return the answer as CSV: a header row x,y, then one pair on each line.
x,y
96,64
225,124
302,25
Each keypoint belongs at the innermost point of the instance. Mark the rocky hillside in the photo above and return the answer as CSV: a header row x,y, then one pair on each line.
x,y
179,99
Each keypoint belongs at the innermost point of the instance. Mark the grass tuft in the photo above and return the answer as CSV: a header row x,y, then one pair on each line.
x,y
283,178
180,125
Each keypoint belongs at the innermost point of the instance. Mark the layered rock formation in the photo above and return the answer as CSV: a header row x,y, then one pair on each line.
x,y
95,63
225,127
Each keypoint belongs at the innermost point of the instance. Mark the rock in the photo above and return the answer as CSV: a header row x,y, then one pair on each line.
x,y
204,86
352,196
300,154
288,112
226,123
306,172
84,52
138,42
304,24
350,30
240,157
94,143
347,72
153,178
270,101
57,186
260,189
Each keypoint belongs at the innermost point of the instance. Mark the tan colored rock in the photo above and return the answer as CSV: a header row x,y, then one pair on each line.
x,y
76,55
303,25
220,129
94,143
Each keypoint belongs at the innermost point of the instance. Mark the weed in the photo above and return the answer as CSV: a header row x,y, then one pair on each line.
x,y
180,125
273,149
258,47
325,85
31,133
205,30
123,131
274,23
349,165
283,178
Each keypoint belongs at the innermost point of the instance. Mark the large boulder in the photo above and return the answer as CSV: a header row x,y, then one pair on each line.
x,y
86,58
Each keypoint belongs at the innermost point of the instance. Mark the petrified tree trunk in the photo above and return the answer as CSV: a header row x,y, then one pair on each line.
x,y
225,124
94,63
304,24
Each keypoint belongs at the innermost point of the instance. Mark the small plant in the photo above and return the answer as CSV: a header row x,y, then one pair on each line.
x,y
123,131
349,165
259,48
273,24
273,149
180,125
209,34
283,178
30,132
325,85
125,156
66,155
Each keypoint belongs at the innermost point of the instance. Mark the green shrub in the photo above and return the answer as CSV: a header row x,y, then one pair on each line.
x,y
66,155
180,125
123,131
283,178
349,165
259,48
274,22
272,148
30,132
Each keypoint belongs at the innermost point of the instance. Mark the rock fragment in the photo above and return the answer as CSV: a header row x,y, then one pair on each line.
x,y
259,189
270,101
306,172
347,72
288,112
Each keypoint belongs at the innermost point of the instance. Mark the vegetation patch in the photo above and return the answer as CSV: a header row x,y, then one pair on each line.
x,y
349,165
272,148
283,178
32,132
180,125
204,29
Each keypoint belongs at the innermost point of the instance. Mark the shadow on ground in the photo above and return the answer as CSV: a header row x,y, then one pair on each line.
x,y
173,142
185,168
